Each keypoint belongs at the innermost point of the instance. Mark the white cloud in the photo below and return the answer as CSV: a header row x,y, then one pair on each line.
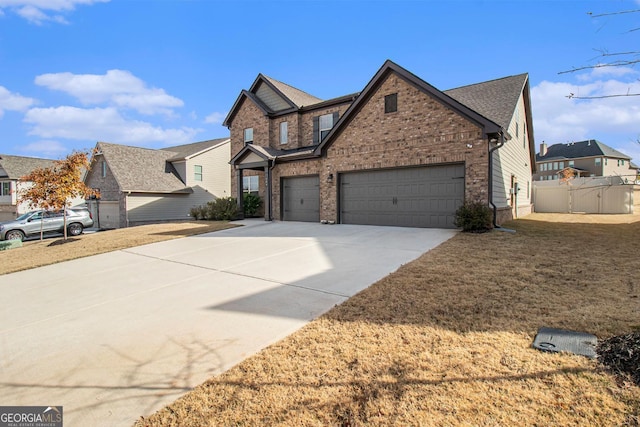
x,y
117,87
601,72
13,101
215,118
39,11
48,148
558,118
104,124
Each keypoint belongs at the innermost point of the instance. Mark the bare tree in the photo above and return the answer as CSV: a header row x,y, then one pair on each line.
x,y
608,59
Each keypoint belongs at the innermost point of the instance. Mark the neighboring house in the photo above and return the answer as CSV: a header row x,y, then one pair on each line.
x,y
12,168
583,159
400,152
139,185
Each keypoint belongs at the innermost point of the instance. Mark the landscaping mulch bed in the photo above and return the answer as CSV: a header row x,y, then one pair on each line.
x,y
621,355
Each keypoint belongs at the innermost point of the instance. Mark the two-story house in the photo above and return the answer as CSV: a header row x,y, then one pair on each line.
x,y
12,168
141,185
583,159
400,152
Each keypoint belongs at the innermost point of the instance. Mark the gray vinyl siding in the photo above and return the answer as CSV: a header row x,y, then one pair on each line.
x,y
181,168
216,171
271,98
165,207
513,159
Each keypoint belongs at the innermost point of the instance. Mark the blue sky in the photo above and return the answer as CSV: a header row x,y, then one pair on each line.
x,y
156,73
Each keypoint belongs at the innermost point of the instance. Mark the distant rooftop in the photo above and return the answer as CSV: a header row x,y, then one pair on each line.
x,y
16,167
575,150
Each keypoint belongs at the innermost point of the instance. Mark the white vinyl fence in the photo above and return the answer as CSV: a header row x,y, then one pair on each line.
x,y
599,195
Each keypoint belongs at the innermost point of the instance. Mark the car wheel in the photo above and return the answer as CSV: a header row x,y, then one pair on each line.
x,y
75,229
14,235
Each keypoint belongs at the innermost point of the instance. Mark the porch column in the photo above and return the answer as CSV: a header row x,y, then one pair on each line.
x,y
267,196
240,198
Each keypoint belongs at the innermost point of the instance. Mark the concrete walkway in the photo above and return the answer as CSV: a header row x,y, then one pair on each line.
x,y
119,335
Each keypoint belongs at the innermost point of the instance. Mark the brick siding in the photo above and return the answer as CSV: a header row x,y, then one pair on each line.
x,y
422,132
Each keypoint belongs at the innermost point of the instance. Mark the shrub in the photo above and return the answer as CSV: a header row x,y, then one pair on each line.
x,y
251,204
222,209
474,217
197,212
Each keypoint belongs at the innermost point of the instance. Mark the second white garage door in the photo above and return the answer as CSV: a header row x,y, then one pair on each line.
x,y
409,197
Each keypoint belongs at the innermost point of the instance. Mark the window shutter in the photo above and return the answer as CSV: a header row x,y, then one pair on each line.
x,y
316,130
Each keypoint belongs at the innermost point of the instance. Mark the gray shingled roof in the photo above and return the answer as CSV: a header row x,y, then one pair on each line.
x,y
495,99
298,97
18,166
183,152
142,169
575,150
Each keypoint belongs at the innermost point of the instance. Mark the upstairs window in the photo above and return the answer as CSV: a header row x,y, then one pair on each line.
x,y
322,125
104,169
248,136
197,172
5,188
391,103
326,123
571,163
284,132
598,161
620,162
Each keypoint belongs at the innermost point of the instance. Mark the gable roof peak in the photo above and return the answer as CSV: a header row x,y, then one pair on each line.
x,y
297,97
488,125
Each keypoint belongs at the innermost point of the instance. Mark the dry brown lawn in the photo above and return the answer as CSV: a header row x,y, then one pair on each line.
x,y
446,340
50,251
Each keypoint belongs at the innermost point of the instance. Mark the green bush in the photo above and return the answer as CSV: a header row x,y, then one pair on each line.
x,y
198,212
222,209
251,204
474,217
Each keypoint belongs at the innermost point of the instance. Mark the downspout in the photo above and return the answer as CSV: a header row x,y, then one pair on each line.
x,y
126,207
499,144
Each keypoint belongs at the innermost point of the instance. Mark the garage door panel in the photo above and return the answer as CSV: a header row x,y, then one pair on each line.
x,y
301,199
411,197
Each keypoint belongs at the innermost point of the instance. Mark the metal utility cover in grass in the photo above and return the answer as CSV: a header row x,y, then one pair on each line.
x,y
559,340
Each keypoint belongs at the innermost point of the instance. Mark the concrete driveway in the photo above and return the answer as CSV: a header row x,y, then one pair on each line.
x,y
119,335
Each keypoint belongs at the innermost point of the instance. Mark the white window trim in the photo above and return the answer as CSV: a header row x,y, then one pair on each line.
x,y
251,182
